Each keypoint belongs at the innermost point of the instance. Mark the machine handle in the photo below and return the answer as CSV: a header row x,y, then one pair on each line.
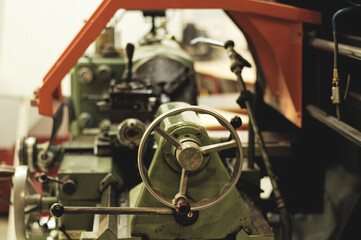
x,y
57,210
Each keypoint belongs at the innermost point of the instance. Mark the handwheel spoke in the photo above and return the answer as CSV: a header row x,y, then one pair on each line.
x,y
169,137
218,147
183,182
30,188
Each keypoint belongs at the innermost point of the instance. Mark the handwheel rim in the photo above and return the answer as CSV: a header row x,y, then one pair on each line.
x,y
23,188
20,179
206,202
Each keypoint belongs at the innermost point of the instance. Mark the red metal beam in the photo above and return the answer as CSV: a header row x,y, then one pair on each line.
x,y
240,9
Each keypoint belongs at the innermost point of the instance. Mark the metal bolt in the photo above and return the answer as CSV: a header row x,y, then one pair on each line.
x,y
182,206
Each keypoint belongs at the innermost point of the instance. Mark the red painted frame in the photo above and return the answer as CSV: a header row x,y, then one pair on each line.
x,y
274,30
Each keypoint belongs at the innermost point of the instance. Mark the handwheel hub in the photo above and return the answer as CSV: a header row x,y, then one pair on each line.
x,y
190,156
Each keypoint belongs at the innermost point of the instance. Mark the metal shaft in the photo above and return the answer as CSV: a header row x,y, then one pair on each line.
x,y
183,182
259,139
237,65
250,154
118,210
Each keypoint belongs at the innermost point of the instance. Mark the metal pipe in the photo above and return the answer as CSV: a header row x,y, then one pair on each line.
x,y
343,49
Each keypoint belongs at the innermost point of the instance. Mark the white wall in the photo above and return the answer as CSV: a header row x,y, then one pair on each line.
x,y
34,35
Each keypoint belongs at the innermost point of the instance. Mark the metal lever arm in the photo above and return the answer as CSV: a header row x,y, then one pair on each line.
x,y
236,66
57,210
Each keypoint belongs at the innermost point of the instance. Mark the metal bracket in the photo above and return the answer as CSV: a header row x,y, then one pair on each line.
x,y
109,179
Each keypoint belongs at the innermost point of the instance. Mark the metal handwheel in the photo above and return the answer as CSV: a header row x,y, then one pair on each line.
x,y
26,200
190,156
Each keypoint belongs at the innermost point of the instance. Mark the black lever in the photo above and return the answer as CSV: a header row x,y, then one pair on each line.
x,y
62,229
130,51
43,178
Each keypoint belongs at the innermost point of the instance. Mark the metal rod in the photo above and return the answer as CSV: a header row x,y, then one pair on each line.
x,y
340,127
183,182
206,40
280,203
250,153
168,137
237,66
343,49
219,147
261,143
118,210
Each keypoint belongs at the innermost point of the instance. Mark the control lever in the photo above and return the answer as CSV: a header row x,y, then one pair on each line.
x,y
245,101
62,229
68,186
232,53
130,52
236,122
43,178
57,210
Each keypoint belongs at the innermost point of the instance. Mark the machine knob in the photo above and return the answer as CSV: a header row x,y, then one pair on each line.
x,y
228,43
85,75
130,51
190,156
69,187
103,72
236,122
57,210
